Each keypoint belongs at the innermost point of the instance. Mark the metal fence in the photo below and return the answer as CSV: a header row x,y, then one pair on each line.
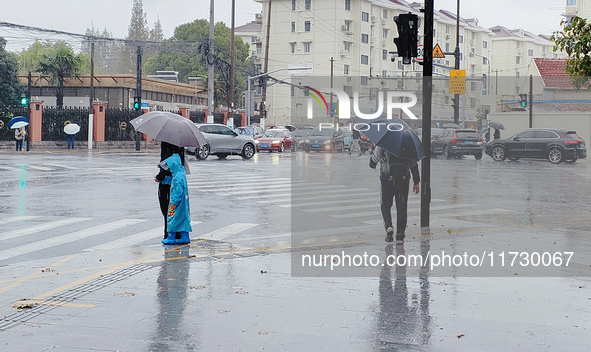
x,y
117,126
54,121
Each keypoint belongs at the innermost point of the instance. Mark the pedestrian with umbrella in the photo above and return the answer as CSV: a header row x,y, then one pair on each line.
x,y
175,132
18,125
398,150
71,129
497,126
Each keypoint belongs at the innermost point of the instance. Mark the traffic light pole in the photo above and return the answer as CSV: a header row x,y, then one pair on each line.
x,y
457,65
426,116
28,107
138,93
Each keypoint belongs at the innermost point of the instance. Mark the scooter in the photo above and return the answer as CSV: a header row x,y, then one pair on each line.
x,y
366,145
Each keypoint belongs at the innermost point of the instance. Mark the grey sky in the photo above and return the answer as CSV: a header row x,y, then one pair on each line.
x,y
537,16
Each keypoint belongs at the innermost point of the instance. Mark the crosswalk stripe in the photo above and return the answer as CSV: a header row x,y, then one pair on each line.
x,y
226,231
345,196
27,230
223,179
69,237
134,239
40,168
277,188
237,186
319,193
445,215
17,218
8,168
63,166
355,207
347,199
372,213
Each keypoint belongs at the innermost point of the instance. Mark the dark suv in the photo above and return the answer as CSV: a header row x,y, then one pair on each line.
x,y
452,142
556,145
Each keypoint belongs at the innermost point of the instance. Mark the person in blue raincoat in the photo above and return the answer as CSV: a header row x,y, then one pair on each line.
x,y
178,218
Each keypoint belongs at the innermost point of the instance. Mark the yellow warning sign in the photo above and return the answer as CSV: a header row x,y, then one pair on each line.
x,y
457,81
437,53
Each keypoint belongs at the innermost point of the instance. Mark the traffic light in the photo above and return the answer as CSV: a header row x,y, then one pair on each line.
x,y
523,100
137,103
407,41
24,99
455,103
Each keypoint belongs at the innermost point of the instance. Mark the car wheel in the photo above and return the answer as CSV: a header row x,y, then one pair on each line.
x,y
478,156
555,156
247,151
498,153
447,153
281,148
222,156
202,153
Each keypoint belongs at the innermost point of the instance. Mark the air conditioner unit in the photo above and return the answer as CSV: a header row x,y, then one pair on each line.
x,y
258,16
344,53
447,36
257,39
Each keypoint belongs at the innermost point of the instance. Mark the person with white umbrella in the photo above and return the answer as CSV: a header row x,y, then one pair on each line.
x,y
71,129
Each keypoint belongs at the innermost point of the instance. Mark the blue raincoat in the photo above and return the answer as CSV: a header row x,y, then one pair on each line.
x,y
178,219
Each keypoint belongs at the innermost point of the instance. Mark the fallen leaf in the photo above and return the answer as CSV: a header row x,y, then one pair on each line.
x,y
263,271
241,292
448,230
460,336
200,287
125,294
223,311
24,306
263,332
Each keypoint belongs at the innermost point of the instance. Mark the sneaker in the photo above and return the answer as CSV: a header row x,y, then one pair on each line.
x,y
399,238
389,234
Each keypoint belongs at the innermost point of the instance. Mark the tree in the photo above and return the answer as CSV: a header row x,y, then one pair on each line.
x,y
10,87
156,34
180,53
60,62
104,49
575,39
138,27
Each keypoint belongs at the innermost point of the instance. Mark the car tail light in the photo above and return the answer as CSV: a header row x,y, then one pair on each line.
x,y
573,141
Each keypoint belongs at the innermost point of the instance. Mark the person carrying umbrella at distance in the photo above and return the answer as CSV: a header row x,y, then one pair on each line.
x,y
398,150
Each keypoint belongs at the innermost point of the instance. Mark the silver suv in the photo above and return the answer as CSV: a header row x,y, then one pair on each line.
x,y
222,141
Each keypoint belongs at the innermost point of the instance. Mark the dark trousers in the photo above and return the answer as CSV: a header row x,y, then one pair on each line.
x,y
395,190
71,139
164,200
19,145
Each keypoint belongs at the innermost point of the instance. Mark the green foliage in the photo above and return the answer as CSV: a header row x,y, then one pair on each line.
x,y
10,88
575,39
138,27
60,62
179,53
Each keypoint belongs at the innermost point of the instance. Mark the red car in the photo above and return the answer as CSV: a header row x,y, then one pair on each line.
x,y
274,139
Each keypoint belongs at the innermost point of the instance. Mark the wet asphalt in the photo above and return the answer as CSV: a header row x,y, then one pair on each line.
x,y
82,268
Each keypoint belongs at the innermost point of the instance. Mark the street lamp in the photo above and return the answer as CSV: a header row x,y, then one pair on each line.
x,y
248,100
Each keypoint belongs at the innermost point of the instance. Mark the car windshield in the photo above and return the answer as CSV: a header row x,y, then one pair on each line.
x,y
246,130
467,134
273,134
300,133
322,132
572,135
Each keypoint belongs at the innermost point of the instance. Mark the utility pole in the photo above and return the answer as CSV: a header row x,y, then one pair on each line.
x,y
231,92
266,68
531,100
211,46
137,104
90,100
331,86
426,118
28,107
457,65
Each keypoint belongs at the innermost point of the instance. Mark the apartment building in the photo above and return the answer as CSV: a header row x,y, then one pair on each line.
x,y
581,8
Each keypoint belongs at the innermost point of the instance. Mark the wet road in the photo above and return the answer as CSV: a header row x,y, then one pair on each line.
x,y
80,232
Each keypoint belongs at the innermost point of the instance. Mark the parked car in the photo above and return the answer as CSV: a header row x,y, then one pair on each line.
x,y
253,131
556,145
451,142
347,140
324,139
275,139
298,137
434,132
222,141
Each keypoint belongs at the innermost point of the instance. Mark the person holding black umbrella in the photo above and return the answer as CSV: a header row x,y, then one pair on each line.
x,y
164,179
395,179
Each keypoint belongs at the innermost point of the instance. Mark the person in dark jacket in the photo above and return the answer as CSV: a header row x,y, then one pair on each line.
x,y
497,134
395,176
164,179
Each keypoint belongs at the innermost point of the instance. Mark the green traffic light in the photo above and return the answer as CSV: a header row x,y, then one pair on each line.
x,y
523,104
24,101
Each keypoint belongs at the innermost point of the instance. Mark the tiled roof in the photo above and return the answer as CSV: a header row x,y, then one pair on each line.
x,y
553,73
541,106
249,27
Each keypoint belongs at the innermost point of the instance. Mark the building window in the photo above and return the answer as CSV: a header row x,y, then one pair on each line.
x,y
484,61
517,90
517,59
307,26
308,4
571,2
293,47
461,39
292,93
517,74
384,54
447,29
346,69
484,44
293,5
365,16
400,65
434,32
347,47
347,4
384,73
364,80
364,59
517,44
472,103
385,33
385,14
473,86
364,38
292,27
447,47
543,49
307,46
530,52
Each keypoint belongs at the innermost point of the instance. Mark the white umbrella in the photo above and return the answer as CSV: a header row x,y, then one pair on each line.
x,y
71,128
170,128
19,124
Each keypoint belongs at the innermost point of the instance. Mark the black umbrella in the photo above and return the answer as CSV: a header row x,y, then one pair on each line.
x,y
394,135
497,125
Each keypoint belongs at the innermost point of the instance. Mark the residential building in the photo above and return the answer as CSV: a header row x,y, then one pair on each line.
x,y
581,8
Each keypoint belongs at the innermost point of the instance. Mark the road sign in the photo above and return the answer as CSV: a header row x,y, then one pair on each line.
x,y
419,57
457,81
145,105
437,52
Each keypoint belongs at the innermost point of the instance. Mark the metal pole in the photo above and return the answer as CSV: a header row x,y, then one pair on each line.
x,y
210,86
231,93
90,99
266,64
138,92
531,100
457,65
248,102
28,108
426,118
331,86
